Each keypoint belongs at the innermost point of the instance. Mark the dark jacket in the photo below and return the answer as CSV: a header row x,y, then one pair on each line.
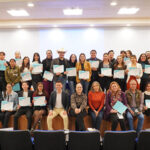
x,y
64,99
46,64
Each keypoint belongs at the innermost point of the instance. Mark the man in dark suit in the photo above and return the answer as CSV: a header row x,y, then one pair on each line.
x,y
58,105
27,110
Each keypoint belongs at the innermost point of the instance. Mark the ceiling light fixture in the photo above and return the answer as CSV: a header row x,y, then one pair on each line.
x,y
30,5
113,3
18,13
128,11
72,11
128,25
19,26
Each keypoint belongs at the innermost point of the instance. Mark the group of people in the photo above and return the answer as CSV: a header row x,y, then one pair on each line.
x,y
99,85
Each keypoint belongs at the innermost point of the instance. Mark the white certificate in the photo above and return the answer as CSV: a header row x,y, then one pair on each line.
x,y
2,66
94,64
84,74
127,60
5,105
18,62
37,68
71,72
133,71
24,101
58,68
48,75
147,102
119,74
26,76
106,71
39,101
147,69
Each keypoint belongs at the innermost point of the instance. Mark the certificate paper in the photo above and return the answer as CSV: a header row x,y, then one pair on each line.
x,y
48,75
16,87
5,105
39,101
133,71
147,102
127,60
18,62
24,101
120,107
37,68
58,68
119,74
84,74
147,69
94,64
71,72
2,66
26,76
106,71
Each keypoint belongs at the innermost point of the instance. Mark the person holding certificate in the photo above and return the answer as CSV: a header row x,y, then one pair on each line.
x,y
40,109
12,75
96,99
25,71
84,72
119,72
105,72
94,61
111,57
134,71
36,74
72,79
146,71
18,58
58,67
48,85
25,106
78,107
135,105
11,98
3,65
115,94
58,105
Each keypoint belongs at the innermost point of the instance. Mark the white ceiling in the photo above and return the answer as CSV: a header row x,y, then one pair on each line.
x,y
47,13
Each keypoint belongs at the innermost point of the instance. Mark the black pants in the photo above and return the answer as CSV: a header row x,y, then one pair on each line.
x,y
2,82
28,112
79,123
35,79
105,82
114,120
6,116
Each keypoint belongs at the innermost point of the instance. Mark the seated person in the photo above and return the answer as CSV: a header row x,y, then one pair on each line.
x,y
27,110
58,105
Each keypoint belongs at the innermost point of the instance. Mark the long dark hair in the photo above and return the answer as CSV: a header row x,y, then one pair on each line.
x,y
39,60
23,65
75,59
116,63
37,91
139,60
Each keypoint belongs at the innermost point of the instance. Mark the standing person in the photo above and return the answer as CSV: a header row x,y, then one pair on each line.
x,y
78,107
111,57
21,110
3,65
12,74
105,80
36,76
18,58
10,96
83,65
48,85
137,77
58,105
135,105
115,94
96,99
61,76
120,65
25,68
39,111
94,76
123,54
72,80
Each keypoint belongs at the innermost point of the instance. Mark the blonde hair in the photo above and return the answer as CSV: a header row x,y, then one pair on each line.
x,y
95,82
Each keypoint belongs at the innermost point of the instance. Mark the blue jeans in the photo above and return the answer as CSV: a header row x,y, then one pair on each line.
x,y
85,85
63,80
96,121
71,87
140,121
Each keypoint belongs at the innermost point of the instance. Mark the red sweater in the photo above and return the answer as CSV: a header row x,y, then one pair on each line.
x,y
96,100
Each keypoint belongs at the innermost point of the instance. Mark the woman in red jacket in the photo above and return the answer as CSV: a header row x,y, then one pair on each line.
x,y
96,99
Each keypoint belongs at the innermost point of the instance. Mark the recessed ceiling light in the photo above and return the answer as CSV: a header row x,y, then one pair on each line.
x,y
18,13
128,25
73,11
55,26
19,26
113,3
91,25
30,5
128,11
